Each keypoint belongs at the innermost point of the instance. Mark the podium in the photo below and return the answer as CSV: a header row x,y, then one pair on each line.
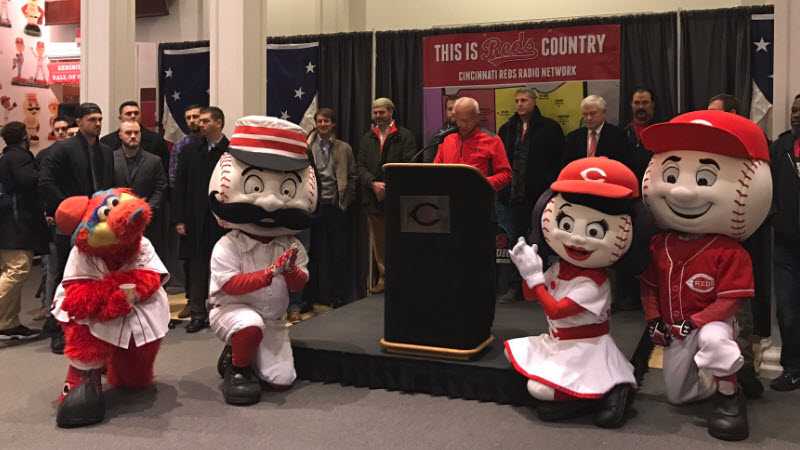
x,y
440,256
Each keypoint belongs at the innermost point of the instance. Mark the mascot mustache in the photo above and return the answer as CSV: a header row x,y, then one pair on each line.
x,y
248,213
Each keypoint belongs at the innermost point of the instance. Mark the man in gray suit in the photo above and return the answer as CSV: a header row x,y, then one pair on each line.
x,y
143,173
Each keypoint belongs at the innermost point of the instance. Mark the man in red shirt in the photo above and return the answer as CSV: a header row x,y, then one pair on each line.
x,y
709,185
474,146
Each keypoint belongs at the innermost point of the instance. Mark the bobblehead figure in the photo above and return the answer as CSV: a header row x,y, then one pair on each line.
x,y
111,303
709,186
264,190
576,368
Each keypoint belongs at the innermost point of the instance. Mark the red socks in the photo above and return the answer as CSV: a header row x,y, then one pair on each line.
x,y
559,396
74,378
245,345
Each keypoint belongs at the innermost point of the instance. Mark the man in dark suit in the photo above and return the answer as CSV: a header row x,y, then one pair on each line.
x,y
192,217
596,137
144,174
80,165
150,141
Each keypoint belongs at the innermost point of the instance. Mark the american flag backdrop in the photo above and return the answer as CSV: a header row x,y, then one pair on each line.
x,y
762,55
292,82
183,80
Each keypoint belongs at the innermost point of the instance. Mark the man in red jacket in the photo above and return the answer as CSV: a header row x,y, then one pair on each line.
x,y
474,146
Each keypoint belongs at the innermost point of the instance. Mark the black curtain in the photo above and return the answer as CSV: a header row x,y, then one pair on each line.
x,y
716,56
345,84
398,71
649,58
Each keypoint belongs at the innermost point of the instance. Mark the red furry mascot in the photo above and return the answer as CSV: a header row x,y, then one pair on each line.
x,y
110,303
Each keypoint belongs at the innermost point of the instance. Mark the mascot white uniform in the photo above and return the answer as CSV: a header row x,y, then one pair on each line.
x,y
576,368
264,190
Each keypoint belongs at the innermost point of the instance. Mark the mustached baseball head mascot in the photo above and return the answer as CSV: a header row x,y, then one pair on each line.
x,y
265,191
709,186
110,303
576,368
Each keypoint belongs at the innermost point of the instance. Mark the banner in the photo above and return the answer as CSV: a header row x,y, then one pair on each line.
x,y
64,72
563,65
520,57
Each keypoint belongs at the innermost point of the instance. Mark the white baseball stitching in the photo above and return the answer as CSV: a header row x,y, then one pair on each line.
x,y
547,209
738,224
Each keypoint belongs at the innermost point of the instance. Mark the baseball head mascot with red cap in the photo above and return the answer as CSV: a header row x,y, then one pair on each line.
x,y
576,368
265,191
111,303
709,186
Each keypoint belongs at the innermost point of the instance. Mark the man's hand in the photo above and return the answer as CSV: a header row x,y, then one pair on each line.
x,y
682,329
529,263
659,333
379,188
180,228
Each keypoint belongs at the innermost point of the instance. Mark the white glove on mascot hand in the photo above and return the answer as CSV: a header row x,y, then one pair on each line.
x,y
526,258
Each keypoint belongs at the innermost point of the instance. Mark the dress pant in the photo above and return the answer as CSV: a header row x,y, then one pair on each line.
x,y
787,297
327,258
15,266
377,240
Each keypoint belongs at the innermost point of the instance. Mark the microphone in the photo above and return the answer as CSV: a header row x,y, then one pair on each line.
x,y
443,133
437,139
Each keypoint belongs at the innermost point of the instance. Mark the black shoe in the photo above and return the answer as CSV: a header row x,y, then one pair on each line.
x,y
19,333
196,324
786,382
513,294
84,404
728,421
57,343
225,360
241,387
748,379
570,409
615,403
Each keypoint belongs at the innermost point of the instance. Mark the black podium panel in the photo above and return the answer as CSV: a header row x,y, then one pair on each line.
x,y
440,254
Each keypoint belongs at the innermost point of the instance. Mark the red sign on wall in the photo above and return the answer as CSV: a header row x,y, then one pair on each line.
x,y
525,56
64,72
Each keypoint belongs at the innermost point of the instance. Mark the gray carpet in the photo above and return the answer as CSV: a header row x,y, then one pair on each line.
x,y
186,410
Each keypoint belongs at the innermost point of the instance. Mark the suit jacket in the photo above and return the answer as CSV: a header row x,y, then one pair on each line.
x,y
612,144
66,171
399,147
195,165
151,142
148,181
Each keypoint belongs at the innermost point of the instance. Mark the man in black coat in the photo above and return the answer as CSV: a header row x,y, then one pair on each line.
x,y
596,137
144,174
150,141
534,144
785,160
22,227
80,165
385,142
192,217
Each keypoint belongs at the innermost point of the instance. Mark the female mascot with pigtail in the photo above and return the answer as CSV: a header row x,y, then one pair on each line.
x,y
264,190
576,368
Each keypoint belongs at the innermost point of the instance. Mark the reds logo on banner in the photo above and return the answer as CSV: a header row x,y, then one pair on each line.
x,y
65,72
526,56
701,283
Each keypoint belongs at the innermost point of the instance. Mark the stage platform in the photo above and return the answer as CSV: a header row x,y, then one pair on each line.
x,y
342,346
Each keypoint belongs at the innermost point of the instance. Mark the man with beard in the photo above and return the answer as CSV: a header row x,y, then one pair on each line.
x,y
191,114
150,141
193,220
785,157
385,142
643,106
141,171
80,165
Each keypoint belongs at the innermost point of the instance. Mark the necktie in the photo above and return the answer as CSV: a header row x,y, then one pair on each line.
x,y
592,148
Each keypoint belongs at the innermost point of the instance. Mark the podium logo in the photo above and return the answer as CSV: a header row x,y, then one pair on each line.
x,y
425,214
